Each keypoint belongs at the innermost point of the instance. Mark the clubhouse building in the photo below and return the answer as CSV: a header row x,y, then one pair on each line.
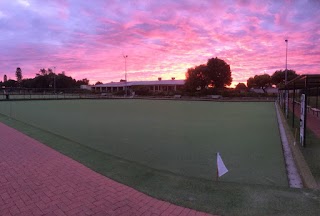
x,y
153,86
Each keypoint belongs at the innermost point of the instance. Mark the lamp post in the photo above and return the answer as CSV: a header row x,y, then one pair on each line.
x,y
125,72
54,79
286,81
286,73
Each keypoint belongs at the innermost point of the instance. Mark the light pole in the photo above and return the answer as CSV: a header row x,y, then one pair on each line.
x,y
54,79
125,72
286,73
286,81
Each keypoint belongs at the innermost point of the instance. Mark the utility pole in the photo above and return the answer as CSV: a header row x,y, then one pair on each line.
x,y
286,81
125,73
54,80
286,73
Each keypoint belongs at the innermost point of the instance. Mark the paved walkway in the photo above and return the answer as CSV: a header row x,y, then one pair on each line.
x,y
313,121
36,180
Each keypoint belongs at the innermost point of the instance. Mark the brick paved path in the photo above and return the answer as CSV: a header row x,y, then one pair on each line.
x,y
313,121
36,180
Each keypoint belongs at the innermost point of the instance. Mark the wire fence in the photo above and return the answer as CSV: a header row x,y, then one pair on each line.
x,y
45,93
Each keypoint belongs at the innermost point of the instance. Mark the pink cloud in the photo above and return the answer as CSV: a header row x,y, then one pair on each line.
x,y
161,38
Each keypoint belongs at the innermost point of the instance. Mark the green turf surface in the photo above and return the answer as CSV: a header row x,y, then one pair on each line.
x,y
223,198
177,136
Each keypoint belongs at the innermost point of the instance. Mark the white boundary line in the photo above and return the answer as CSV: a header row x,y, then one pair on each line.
x,y
292,171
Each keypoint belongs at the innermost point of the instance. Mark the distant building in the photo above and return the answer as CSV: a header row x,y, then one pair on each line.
x,y
154,86
86,87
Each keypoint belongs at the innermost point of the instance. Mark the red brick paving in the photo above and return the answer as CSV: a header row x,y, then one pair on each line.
x,y
313,121
36,180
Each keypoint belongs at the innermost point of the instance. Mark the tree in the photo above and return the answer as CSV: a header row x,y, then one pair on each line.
x,y
216,73
97,83
241,87
84,81
63,81
196,78
251,83
259,81
10,83
19,75
42,72
27,83
278,77
44,79
5,79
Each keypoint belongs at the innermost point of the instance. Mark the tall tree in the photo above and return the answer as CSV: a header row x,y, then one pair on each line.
x,y
278,77
196,78
5,78
216,73
19,75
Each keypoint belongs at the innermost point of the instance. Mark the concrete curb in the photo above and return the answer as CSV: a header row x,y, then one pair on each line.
x,y
292,171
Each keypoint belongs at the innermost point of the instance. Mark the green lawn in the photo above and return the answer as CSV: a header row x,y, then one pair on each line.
x,y
167,149
176,136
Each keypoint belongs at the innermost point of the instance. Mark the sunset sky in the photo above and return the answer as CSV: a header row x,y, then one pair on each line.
x,y
88,38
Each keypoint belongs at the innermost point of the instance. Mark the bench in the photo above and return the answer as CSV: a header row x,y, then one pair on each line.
x,y
309,108
215,96
177,96
315,110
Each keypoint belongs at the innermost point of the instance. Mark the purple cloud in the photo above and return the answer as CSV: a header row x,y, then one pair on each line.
x,y
87,39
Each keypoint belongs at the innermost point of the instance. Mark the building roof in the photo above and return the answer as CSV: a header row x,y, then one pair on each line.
x,y
304,81
142,83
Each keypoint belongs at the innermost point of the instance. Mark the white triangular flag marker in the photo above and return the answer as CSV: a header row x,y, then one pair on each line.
x,y
221,168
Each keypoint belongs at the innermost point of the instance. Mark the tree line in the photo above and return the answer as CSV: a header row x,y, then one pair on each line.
x,y
208,78
265,80
45,78
215,75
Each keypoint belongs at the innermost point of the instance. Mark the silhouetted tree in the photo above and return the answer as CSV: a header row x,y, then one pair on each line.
x,y
42,72
216,73
84,81
196,78
5,79
46,78
19,75
63,81
259,81
278,77
27,83
241,87
10,83
97,83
